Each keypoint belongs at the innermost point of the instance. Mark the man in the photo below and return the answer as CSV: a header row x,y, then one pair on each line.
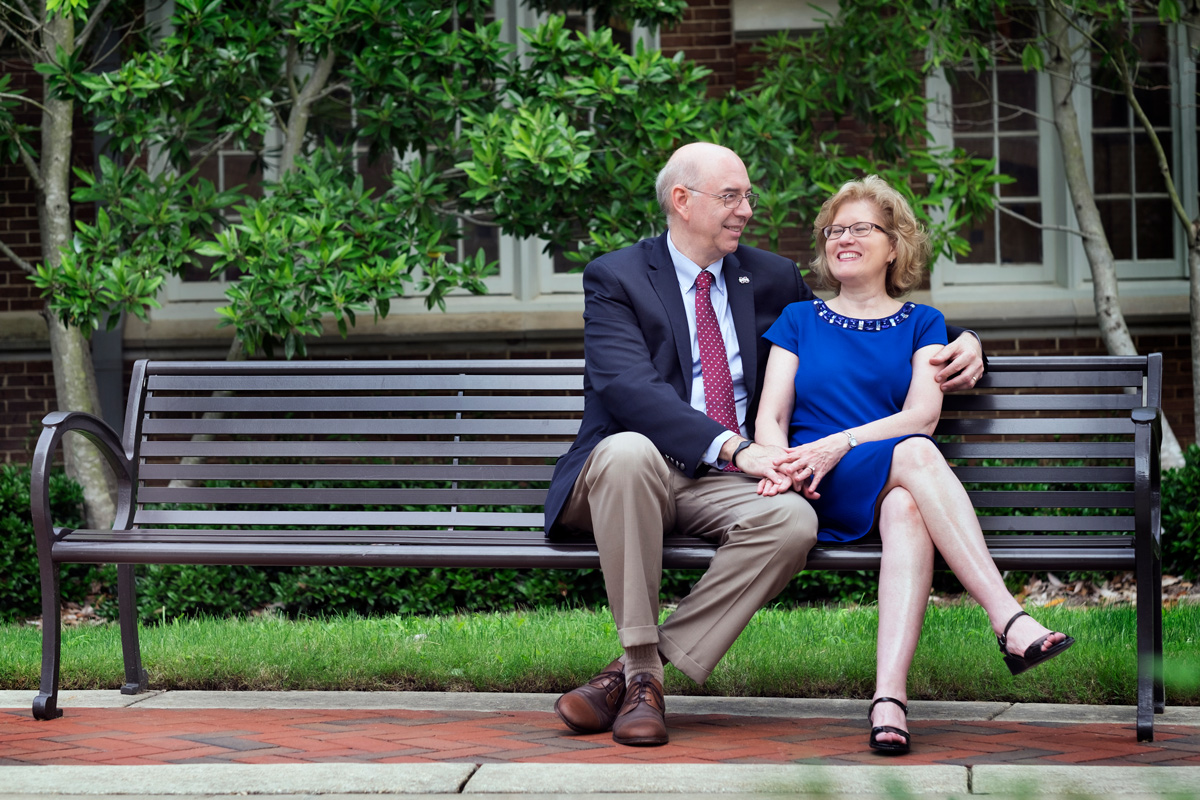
x,y
675,358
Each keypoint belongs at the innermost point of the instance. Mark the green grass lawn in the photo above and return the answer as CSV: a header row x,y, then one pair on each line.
x,y
806,652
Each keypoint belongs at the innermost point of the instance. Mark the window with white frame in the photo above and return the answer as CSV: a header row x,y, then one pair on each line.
x,y
525,269
1004,113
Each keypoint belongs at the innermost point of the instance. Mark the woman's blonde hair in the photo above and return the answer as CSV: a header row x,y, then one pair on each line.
x,y
908,236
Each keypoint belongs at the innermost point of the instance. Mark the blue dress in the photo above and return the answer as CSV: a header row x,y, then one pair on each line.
x,y
851,372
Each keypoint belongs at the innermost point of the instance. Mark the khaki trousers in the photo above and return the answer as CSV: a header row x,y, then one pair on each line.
x,y
629,497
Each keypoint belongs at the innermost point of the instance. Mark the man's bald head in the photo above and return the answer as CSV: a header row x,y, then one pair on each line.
x,y
688,166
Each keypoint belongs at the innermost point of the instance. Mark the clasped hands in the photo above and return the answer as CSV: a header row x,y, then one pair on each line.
x,y
802,468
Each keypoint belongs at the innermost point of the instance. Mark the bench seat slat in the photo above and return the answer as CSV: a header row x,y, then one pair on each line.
x,y
344,472
343,496
1041,402
445,366
1050,499
342,383
159,403
473,519
1036,450
249,426
1073,523
1066,379
678,553
441,449
1039,425
1046,474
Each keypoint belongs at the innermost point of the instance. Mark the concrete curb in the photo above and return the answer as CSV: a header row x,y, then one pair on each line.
x,y
237,779
695,779
563,781
797,708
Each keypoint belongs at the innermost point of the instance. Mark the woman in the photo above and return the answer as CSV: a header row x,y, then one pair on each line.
x,y
860,414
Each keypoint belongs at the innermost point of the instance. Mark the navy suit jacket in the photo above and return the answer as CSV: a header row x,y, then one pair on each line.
x,y
638,352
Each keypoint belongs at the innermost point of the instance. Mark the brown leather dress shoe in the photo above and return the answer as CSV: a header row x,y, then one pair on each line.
x,y
641,720
592,707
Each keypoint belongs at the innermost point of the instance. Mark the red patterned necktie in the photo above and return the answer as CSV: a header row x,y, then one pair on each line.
x,y
714,361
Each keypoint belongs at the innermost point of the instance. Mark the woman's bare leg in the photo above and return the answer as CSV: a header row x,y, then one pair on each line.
x,y
950,519
905,578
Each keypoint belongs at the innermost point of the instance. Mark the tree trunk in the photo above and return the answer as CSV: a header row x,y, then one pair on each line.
x,y
297,124
74,372
1109,316
1194,306
1191,23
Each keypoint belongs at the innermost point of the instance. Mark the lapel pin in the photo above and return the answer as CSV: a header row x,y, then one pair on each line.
x,y
743,279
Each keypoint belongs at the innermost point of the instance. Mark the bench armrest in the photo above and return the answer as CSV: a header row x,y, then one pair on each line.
x,y
1147,475
56,425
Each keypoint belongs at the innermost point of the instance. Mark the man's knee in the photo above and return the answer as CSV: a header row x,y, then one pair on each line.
x,y
791,523
627,451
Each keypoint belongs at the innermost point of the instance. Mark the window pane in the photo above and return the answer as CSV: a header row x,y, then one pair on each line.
x,y
1109,108
1021,243
1154,94
1117,220
244,168
976,148
982,240
1111,154
1019,158
1018,94
1156,229
477,236
1149,177
1150,39
972,101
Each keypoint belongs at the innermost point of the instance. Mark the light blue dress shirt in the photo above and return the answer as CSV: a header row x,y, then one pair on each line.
x,y
686,271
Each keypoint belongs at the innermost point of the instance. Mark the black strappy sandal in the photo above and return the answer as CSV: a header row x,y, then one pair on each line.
x,y
1034,654
893,748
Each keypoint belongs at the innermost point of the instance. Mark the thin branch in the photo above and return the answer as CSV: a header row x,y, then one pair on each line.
x,y
16,259
1160,156
23,99
201,155
92,22
468,218
24,43
332,89
1003,209
32,166
27,10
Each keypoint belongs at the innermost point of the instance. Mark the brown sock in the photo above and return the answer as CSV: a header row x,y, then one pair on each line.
x,y
643,658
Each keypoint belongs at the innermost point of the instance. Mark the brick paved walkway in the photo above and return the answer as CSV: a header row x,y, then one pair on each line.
x,y
89,736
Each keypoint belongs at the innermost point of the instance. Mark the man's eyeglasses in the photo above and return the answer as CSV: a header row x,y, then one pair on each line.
x,y
730,200
857,230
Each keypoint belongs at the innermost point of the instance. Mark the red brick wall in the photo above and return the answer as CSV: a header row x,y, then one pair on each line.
x,y
18,220
1177,367
26,395
706,35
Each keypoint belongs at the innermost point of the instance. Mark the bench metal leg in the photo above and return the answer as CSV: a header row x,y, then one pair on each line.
x,y
1149,641
136,679
45,705
1160,696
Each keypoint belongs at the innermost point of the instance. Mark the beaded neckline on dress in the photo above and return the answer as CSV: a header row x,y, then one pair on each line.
x,y
871,325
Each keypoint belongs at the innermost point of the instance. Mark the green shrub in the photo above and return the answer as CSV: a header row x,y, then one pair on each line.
x,y
1181,517
20,592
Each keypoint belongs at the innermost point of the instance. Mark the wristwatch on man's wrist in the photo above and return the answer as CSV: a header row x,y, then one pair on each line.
x,y
853,441
741,446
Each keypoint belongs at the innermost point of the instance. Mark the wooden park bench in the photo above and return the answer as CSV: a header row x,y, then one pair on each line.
x,y
445,464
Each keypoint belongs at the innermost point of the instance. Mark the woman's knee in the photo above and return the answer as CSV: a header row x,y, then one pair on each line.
x,y
900,521
917,454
